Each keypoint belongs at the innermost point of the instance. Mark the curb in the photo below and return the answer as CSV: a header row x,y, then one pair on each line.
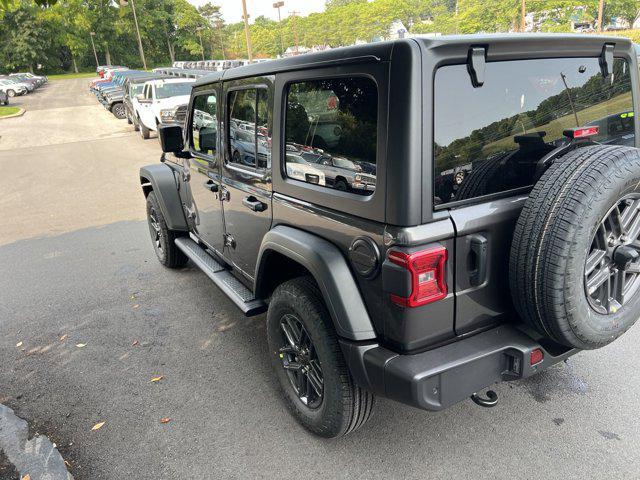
x,y
19,114
37,457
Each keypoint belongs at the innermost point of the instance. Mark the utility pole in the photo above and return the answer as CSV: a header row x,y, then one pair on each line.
x,y
245,17
219,24
523,13
93,34
124,3
295,29
278,5
600,12
199,30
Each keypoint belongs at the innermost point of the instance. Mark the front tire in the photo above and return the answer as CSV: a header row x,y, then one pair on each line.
x,y
118,111
144,131
11,93
163,239
317,386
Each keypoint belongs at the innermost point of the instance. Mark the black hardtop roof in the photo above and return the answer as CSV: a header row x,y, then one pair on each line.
x,y
529,43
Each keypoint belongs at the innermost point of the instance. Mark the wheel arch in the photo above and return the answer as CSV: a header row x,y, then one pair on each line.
x,y
287,252
160,178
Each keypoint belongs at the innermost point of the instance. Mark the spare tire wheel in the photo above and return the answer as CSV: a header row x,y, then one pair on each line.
x,y
575,258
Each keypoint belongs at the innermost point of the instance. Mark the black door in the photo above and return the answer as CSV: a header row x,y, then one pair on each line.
x,y
246,172
205,213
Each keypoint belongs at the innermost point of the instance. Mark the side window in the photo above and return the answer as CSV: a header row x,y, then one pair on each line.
x,y
331,133
249,128
204,124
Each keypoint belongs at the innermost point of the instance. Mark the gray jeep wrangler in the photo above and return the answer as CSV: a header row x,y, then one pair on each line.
x,y
409,290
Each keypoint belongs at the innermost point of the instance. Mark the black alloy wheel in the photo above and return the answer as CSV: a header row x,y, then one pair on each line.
x,y
612,268
301,362
155,230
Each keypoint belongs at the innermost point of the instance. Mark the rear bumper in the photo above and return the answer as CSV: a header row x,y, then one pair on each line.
x,y
439,378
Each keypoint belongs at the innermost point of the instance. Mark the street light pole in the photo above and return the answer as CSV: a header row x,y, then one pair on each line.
x,y
278,5
91,35
245,17
135,20
199,30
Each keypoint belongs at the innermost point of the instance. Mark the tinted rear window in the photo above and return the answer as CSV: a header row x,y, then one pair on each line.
x,y
488,140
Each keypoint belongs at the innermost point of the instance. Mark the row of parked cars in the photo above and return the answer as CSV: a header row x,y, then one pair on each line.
x,y
216,65
19,84
145,99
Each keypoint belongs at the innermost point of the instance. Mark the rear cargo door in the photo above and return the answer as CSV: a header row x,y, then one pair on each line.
x,y
489,140
483,241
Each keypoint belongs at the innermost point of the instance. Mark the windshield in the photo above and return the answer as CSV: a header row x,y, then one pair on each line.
x,y
166,90
498,132
136,89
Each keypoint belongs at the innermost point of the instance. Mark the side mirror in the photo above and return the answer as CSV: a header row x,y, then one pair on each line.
x,y
208,139
142,99
171,138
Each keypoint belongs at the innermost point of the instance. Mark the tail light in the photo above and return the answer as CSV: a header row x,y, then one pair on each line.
x,y
581,132
428,282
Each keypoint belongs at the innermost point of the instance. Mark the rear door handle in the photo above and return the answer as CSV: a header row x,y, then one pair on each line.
x,y
252,203
211,185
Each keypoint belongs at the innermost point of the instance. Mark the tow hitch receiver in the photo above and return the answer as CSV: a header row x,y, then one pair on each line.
x,y
491,399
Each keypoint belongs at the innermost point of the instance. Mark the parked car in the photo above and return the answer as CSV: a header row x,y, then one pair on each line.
x,y
133,86
39,79
4,98
12,88
156,96
394,292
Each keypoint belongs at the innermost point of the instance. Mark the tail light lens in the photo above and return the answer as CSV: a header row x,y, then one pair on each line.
x,y
428,282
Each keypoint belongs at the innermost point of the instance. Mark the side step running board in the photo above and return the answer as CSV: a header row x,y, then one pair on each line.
x,y
222,277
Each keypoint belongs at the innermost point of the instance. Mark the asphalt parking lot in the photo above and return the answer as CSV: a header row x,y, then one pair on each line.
x,y
77,268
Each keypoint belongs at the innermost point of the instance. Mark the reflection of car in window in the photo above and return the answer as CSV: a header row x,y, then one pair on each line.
x,y
617,129
299,169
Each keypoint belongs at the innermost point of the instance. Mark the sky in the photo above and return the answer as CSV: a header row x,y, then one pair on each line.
x,y
232,9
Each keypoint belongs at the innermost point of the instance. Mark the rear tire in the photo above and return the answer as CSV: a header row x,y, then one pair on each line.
x,y
163,239
557,242
342,406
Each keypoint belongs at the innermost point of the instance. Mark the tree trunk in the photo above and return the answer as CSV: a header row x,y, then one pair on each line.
x,y
75,67
107,54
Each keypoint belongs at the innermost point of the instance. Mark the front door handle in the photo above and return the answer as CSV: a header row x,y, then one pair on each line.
x,y
211,185
252,203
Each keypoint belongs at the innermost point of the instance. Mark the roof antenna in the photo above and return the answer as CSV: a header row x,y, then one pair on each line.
x,y
476,61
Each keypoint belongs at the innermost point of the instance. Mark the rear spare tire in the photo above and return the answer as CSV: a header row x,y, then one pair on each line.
x,y
575,259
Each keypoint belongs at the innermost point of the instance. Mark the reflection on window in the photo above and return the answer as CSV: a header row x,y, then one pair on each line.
x,y
249,128
331,133
490,139
204,125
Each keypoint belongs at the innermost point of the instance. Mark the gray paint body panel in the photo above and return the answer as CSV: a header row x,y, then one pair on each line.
x,y
331,272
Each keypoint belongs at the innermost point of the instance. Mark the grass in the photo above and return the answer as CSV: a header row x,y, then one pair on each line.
x,y
69,76
554,129
5,111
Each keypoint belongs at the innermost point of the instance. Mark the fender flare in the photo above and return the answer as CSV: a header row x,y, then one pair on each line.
x,y
329,268
163,183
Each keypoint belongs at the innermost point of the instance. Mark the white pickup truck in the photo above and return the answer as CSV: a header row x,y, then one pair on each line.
x,y
158,101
